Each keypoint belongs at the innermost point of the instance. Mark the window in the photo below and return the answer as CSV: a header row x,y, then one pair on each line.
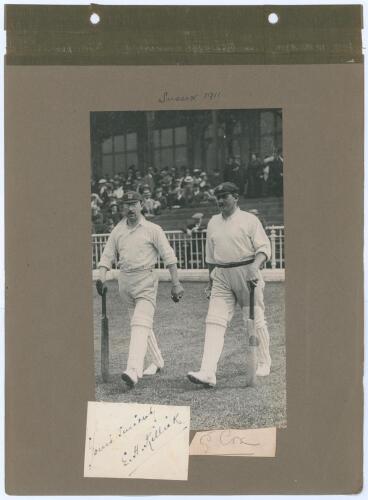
x,y
107,146
209,160
234,148
170,147
271,131
119,152
107,165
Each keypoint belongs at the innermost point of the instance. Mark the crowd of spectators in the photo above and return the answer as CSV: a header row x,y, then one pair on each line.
x,y
259,178
160,191
171,189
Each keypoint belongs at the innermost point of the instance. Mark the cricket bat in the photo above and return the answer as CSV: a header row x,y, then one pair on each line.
x,y
251,356
104,340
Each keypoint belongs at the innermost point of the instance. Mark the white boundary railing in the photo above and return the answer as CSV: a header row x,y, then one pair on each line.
x,y
190,250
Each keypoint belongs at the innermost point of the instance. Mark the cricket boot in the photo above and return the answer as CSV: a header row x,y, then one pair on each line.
x,y
213,345
130,377
202,378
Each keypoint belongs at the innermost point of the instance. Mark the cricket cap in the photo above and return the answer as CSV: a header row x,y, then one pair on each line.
x,y
131,197
226,188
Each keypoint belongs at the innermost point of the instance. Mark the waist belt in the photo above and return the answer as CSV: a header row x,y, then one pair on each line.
x,y
136,270
235,264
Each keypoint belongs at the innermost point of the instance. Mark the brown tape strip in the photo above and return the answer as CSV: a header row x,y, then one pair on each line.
x,y
146,35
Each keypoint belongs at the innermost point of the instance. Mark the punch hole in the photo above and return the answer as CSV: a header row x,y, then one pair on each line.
x,y
273,18
94,18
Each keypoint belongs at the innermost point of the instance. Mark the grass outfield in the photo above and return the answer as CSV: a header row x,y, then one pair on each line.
x,y
179,329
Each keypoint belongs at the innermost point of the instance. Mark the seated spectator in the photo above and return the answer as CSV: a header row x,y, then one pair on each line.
x,y
166,180
209,196
95,201
188,189
129,184
97,220
150,205
196,247
130,179
148,179
204,181
115,214
138,184
176,195
196,177
173,172
178,182
119,190
197,195
103,192
204,196
95,211
132,171
159,196
110,192
106,192
182,174
157,177
195,225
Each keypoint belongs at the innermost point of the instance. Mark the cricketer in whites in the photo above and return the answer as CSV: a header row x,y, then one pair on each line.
x,y
236,249
135,244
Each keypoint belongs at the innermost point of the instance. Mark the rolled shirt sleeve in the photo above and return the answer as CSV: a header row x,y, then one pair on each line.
x,y
260,240
164,248
109,253
210,258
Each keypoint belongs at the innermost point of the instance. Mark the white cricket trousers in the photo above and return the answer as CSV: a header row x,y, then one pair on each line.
x,y
228,289
138,291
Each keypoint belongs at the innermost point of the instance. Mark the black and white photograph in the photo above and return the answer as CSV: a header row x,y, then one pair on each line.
x,y
188,263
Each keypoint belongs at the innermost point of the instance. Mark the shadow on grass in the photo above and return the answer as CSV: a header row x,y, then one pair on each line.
x,y
180,333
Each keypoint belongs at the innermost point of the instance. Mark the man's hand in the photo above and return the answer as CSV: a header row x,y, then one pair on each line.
x,y
101,287
252,275
177,291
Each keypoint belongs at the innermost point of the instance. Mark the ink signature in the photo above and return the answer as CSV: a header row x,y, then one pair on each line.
x,y
138,447
205,96
153,439
226,438
95,449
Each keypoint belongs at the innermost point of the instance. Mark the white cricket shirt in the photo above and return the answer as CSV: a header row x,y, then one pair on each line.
x,y
138,247
239,237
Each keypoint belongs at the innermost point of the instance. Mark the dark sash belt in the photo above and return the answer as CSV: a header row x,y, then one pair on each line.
x,y
235,264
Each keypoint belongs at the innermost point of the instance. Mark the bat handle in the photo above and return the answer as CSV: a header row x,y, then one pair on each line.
x,y
251,301
104,303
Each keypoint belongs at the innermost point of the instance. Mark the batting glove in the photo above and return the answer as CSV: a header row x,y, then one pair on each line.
x,y
177,291
101,287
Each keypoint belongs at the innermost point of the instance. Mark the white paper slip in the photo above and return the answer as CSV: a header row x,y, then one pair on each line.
x,y
126,440
236,442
